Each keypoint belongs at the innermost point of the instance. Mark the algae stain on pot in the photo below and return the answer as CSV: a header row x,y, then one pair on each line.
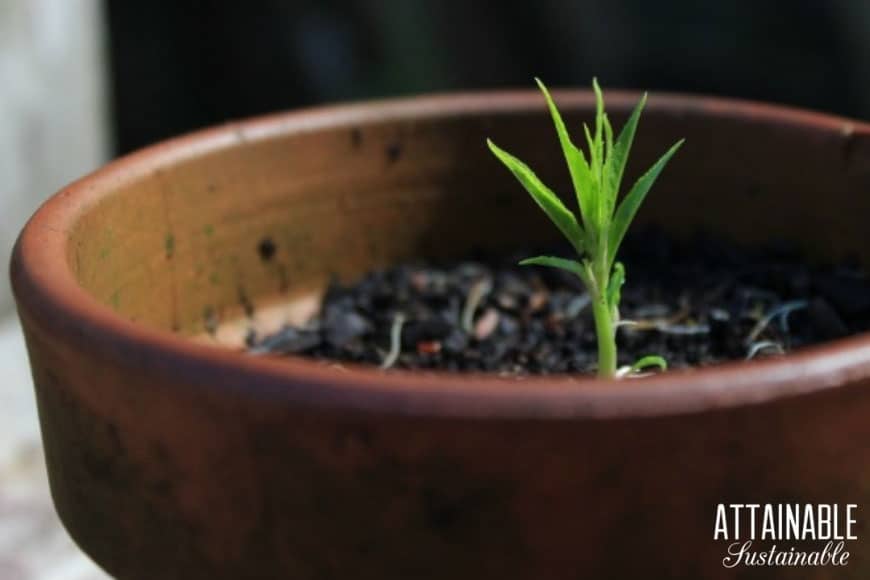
x,y
108,243
169,245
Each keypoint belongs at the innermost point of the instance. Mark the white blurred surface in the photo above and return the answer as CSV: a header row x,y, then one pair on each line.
x,y
52,130
52,106
33,543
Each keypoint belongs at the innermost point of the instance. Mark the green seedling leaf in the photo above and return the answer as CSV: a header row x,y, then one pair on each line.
x,y
593,155
608,139
572,266
595,165
543,196
617,279
599,123
576,161
629,206
648,362
607,192
618,158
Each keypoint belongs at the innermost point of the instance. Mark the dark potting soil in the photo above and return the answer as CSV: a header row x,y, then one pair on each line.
x,y
695,303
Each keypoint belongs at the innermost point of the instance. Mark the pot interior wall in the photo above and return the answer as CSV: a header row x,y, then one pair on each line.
x,y
269,216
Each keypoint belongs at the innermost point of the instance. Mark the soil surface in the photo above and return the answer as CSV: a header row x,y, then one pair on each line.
x,y
695,303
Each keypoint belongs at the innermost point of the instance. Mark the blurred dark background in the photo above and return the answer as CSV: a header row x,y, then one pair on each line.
x,y
177,66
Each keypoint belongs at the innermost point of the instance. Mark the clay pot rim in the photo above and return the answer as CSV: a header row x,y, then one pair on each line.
x,y
46,291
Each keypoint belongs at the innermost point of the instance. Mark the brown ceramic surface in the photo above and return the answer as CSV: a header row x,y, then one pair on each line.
x,y
173,459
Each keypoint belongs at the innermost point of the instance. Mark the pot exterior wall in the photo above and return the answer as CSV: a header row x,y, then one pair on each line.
x,y
156,481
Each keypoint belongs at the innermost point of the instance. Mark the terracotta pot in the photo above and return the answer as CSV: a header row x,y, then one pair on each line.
x,y
170,458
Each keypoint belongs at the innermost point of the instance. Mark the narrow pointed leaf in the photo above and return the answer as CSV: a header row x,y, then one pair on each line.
x,y
617,279
593,151
577,165
572,266
608,139
543,196
599,121
607,192
621,149
629,206
595,163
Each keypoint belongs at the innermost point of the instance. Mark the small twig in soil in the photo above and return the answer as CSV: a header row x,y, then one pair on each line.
x,y
625,372
288,340
486,324
782,311
684,329
765,345
661,323
667,325
395,341
577,305
654,311
622,372
476,294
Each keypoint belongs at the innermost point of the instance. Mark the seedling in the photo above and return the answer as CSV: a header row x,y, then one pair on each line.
x,y
596,237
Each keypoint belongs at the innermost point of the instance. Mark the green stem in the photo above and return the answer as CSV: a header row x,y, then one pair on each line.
x,y
596,278
606,336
